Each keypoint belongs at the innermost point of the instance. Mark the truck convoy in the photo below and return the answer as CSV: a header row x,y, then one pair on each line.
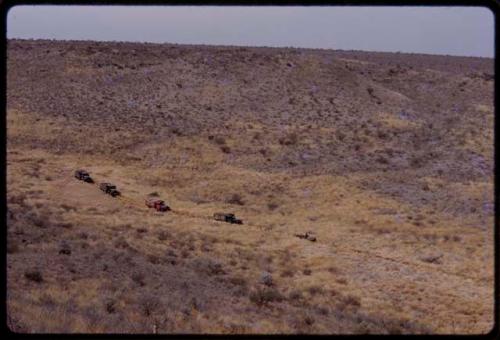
x,y
151,202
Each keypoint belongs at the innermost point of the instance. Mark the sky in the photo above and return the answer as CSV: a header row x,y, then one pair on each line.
x,y
463,31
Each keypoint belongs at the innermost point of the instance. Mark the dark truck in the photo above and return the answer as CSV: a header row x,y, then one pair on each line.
x,y
157,204
109,188
229,218
83,175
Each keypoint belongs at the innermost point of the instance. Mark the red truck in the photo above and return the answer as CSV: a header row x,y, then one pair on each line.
x,y
157,204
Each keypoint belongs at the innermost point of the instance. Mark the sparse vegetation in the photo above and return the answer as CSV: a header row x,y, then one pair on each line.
x,y
392,172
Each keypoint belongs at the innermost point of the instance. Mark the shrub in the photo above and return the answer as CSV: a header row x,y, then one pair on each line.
x,y
66,225
67,207
41,221
235,199
197,199
138,278
110,306
92,316
121,243
12,247
220,140
272,206
350,300
416,161
34,275
382,134
176,131
322,310
17,199
225,149
47,300
153,259
208,266
205,247
263,296
313,290
238,281
171,253
382,160
241,291
295,295
307,272
433,258
342,281
163,235
290,139
308,320
333,270
65,249
149,304
266,279
196,304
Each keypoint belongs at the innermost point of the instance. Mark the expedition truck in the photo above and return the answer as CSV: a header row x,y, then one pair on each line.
x,y
229,218
83,175
109,188
157,204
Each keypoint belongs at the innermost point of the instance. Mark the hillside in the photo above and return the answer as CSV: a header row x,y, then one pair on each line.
x,y
386,157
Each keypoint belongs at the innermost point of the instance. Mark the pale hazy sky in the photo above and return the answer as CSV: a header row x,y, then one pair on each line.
x,y
467,31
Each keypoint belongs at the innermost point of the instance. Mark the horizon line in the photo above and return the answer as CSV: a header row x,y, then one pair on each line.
x,y
249,46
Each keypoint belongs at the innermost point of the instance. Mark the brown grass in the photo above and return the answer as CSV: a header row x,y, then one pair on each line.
x,y
400,209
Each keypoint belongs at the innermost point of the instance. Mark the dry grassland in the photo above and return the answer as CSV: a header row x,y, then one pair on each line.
x,y
387,158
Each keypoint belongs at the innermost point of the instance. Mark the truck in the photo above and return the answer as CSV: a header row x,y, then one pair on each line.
x,y
83,175
109,188
157,204
310,236
229,218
